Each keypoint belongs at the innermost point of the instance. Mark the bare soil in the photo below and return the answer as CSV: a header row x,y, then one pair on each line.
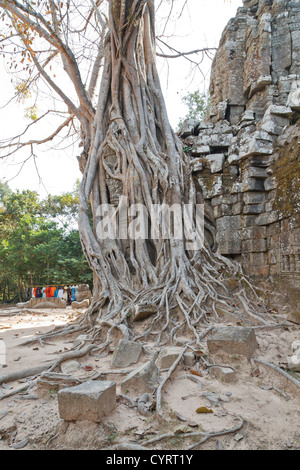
x,y
267,402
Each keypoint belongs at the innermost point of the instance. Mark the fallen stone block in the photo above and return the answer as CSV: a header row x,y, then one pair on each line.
x,y
189,359
233,340
143,311
141,380
21,304
294,361
70,366
83,293
168,356
7,428
90,401
223,373
83,304
46,302
296,345
126,353
294,317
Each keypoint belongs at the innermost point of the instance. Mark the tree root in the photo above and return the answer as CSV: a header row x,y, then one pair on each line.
x,y
56,332
22,374
23,388
280,371
72,355
205,435
165,379
145,404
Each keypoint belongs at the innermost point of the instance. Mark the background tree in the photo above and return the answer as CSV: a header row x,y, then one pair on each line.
x,y
197,106
129,152
39,244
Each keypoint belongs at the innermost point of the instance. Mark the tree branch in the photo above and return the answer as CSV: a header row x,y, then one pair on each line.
x,y
50,36
36,142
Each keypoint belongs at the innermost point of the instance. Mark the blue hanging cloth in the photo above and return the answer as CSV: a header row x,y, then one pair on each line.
x,y
73,297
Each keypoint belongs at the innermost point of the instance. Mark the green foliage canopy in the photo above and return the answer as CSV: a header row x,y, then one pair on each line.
x,y
39,242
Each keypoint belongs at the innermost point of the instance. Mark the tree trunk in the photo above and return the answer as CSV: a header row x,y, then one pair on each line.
x,y
131,154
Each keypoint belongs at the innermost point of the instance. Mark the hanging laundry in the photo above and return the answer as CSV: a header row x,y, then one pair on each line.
x,y
65,296
60,293
38,292
69,292
52,291
73,298
48,291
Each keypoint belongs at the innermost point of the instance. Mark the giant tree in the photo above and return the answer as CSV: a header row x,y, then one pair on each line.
x,y
131,155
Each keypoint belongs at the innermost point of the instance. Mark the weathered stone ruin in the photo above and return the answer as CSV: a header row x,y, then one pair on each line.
x,y
246,154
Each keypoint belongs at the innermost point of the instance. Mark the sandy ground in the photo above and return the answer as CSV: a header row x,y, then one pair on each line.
x,y
267,403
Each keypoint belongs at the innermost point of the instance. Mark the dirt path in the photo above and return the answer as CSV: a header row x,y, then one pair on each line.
x,y
268,403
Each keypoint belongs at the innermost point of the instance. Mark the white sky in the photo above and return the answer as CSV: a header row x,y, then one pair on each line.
x,y
200,26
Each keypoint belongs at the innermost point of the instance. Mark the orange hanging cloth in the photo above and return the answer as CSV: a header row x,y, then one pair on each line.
x,y
52,291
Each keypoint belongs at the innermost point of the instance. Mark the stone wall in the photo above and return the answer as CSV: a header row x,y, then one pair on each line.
x,y
246,154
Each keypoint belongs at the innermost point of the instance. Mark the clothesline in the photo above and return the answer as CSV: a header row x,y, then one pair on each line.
x,y
51,285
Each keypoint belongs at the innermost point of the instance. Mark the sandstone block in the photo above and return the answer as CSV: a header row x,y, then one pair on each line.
x,y
284,111
188,128
259,143
141,380
83,304
200,150
168,356
294,96
70,366
217,161
189,359
294,361
197,164
223,373
83,293
233,340
254,209
228,234
254,198
254,246
296,345
143,311
294,317
126,353
46,302
91,401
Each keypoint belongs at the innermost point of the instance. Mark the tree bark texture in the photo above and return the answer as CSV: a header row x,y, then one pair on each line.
x,y
131,152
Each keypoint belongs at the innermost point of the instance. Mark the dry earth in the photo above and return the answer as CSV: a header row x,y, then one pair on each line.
x,y
267,402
